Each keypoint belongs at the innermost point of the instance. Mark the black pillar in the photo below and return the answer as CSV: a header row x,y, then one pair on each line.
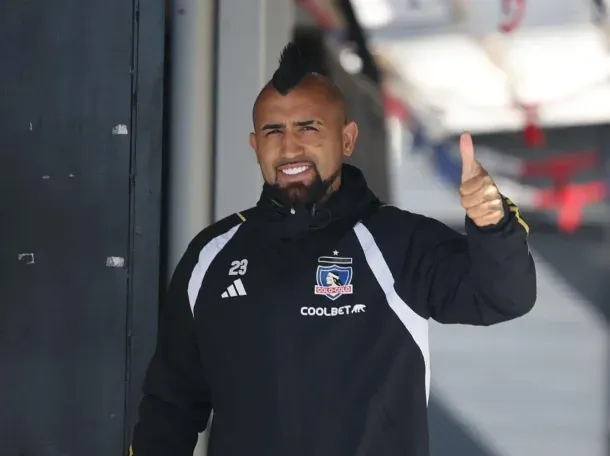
x,y
81,98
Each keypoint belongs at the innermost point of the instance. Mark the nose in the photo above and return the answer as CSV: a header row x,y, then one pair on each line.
x,y
291,146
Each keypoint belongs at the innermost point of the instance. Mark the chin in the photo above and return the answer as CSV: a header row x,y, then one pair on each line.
x,y
297,193
293,191
296,183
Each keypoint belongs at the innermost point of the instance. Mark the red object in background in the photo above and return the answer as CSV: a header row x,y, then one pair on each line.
x,y
561,167
533,136
513,12
394,107
568,199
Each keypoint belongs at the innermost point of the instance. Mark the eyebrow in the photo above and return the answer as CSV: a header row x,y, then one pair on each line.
x,y
301,123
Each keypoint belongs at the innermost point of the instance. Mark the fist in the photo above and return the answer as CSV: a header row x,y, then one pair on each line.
x,y
478,192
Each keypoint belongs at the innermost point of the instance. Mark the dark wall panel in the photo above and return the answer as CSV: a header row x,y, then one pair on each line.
x,y
147,163
79,189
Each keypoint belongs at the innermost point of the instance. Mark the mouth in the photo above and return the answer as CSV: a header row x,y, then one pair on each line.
x,y
295,169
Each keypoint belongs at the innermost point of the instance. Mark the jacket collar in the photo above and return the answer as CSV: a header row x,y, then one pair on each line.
x,y
348,202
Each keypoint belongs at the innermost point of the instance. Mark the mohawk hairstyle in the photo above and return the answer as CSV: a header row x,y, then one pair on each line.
x,y
302,57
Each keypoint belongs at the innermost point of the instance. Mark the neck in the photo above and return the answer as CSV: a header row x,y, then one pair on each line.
x,y
332,188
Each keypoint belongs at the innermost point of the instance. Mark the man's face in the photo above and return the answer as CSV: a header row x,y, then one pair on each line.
x,y
300,140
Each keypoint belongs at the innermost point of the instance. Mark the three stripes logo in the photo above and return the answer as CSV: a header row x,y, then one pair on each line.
x,y
235,289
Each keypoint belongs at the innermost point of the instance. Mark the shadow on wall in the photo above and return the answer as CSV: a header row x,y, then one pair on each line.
x,y
449,437
365,107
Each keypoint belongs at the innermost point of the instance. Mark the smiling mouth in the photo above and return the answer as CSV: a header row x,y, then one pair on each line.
x,y
294,169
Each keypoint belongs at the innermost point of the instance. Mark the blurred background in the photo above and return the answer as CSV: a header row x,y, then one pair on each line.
x,y
123,133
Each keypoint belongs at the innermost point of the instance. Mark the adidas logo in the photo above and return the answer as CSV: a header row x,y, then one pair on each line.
x,y
236,289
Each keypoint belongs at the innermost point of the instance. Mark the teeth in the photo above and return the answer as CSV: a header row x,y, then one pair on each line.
x,y
294,171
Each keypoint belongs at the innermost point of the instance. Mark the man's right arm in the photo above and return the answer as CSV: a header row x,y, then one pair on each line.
x,y
176,404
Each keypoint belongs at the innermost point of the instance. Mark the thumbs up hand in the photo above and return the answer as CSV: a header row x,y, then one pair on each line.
x,y
478,192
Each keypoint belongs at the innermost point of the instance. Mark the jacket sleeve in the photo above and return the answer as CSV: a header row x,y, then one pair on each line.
x,y
176,404
484,277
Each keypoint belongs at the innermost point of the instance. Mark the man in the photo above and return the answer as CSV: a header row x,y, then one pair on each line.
x,y
302,322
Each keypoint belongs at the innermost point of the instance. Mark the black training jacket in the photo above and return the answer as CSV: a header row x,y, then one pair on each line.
x,y
306,329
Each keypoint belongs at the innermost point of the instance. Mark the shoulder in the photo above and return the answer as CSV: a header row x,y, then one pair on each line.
x,y
390,218
396,230
412,220
220,232
205,246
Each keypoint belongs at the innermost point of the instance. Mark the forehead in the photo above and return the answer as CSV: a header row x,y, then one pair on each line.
x,y
311,101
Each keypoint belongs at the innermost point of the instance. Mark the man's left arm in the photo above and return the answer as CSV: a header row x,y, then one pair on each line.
x,y
485,277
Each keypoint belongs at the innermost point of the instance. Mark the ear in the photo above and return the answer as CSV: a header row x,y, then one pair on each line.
x,y
253,144
252,141
350,135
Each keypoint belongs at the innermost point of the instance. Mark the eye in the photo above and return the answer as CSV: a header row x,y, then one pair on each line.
x,y
271,132
308,128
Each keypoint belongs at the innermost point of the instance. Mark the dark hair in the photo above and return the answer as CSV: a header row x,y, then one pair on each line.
x,y
301,57
304,56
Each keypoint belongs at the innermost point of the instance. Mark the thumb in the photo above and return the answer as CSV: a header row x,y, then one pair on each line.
x,y
470,166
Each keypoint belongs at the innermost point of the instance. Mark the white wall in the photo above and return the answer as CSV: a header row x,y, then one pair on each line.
x,y
191,113
251,36
249,41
